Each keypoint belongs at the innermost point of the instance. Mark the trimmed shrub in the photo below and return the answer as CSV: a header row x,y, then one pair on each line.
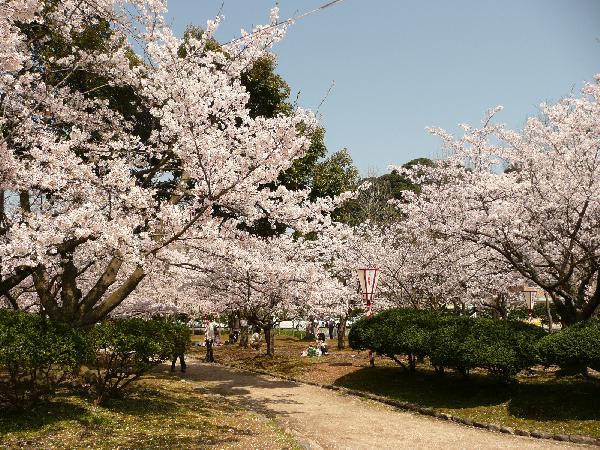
x,y
121,351
446,345
36,356
573,349
503,348
396,332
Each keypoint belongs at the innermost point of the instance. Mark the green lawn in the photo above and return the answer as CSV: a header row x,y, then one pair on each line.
x,y
569,405
161,412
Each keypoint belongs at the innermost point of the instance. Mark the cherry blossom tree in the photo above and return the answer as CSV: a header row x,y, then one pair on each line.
x,y
92,198
425,271
532,198
341,250
420,270
264,279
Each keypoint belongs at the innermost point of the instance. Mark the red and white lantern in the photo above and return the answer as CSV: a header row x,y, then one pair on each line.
x,y
368,279
530,295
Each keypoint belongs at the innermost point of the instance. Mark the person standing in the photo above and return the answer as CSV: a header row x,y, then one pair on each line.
x,y
181,357
180,347
209,339
243,333
330,325
217,332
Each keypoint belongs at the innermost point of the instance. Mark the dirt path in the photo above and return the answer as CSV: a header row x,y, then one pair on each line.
x,y
325,419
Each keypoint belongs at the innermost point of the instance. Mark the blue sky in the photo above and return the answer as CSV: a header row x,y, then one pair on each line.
x,y
400,66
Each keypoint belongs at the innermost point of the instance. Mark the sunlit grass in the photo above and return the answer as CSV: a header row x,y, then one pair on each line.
x,y
161,412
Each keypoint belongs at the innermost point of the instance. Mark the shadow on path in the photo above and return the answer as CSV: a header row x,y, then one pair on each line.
x,y
236,385
326,419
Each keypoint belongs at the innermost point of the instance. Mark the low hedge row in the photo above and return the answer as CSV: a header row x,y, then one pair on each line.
x,y
503,348
38,355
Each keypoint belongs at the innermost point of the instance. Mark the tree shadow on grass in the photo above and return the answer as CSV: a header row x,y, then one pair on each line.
x,y
541,398
428,389
232,381
41,415
568,398
220,437
135,403
198,417
237,385
161,411
283,364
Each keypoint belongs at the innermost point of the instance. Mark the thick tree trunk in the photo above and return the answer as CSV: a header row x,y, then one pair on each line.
x,y
92,308
549,314
342,333
244,336
568,294
18,275
270,340
235,322
310,328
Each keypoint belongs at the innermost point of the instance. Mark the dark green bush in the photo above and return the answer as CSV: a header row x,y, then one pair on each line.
x,y
122,351
395,333
540,310
446,349
573,349
503,348
36,356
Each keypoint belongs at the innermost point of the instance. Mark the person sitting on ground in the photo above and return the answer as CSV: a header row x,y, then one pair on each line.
x,y
255,339
321,344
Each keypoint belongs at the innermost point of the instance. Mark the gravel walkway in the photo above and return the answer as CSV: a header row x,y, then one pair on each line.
x,y
323,419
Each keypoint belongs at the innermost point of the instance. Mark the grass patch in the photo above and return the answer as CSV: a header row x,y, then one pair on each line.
x,y
161,412
285,362
541,401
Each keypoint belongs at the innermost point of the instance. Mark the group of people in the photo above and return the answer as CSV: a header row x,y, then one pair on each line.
x,y
212,337
321,348
331,325
241,334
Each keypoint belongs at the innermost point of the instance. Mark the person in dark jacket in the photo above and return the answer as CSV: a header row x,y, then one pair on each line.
x,y
180,346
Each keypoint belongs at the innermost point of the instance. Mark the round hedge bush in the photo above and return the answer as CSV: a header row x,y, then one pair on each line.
x,y
501,347
573,349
